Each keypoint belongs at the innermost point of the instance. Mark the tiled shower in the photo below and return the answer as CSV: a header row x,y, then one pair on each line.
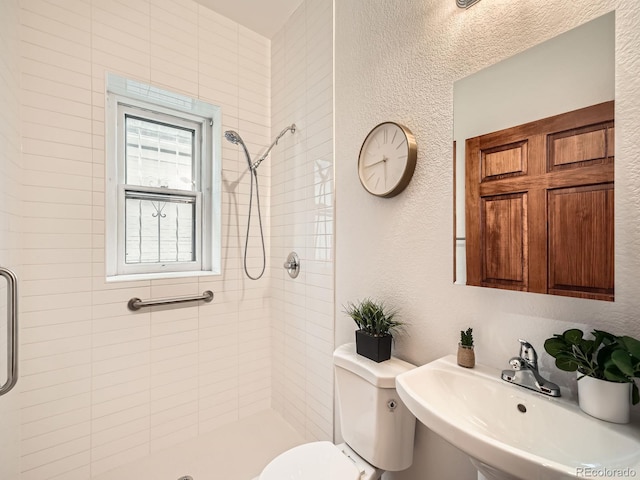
x,y
101,386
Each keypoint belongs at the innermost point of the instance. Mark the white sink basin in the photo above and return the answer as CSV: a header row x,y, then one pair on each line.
x,y
476,411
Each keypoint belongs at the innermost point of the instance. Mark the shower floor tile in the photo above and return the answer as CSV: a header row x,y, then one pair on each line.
x,y
238,451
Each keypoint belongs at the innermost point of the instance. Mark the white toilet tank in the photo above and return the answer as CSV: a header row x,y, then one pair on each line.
x,y
374,421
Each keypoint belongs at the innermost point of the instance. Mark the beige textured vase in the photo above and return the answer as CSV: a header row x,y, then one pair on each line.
x,y
466,356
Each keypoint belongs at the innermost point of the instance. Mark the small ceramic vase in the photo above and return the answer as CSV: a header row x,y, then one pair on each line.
x,y
610,401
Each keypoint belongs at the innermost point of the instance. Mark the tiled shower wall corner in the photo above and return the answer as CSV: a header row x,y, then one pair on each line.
x,y
302,220
10,178
102,386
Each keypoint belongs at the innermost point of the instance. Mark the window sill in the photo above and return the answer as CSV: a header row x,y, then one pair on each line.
x,y
160,276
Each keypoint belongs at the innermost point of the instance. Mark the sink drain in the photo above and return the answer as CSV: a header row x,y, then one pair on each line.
x,y
186,477
522,408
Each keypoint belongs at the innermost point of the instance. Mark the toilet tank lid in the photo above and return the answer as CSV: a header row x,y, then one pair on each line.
x,y
382,375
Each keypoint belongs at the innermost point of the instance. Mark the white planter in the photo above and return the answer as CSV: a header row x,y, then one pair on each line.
x,y
610,401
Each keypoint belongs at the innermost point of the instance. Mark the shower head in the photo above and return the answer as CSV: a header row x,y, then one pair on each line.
x,y
232,136
235,138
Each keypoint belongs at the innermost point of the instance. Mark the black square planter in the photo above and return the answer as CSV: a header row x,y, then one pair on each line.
x,y
377,349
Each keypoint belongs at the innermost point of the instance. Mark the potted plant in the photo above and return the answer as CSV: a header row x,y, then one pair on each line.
x,y
375,323
466,355
606,365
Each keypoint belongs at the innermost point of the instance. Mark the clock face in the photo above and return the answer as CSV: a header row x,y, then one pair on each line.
x,y
387,159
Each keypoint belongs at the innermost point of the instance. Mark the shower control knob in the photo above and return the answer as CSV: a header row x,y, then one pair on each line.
x,y
292,265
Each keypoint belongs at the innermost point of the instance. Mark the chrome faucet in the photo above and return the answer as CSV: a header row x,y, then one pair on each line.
x,y
525,372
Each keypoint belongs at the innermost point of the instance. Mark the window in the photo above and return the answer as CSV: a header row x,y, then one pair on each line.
x,y
163,183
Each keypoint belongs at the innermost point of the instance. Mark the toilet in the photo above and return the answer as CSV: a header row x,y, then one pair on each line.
x,y
377,428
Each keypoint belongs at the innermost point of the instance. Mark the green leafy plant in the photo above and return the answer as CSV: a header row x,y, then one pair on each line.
x,y
373,317
466,338
606,356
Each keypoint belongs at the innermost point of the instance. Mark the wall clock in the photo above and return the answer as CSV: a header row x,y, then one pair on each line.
x,y
387,159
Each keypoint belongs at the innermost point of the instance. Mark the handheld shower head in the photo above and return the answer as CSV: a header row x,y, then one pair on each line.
x,y
235,138
232,136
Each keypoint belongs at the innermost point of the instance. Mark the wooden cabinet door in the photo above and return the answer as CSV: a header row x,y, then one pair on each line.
x,y
539,205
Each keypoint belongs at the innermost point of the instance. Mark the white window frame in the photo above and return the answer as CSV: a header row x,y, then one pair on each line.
x,y
129,97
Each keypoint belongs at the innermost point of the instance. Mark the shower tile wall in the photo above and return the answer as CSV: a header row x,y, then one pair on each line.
x,y
102,386
10,172
302,220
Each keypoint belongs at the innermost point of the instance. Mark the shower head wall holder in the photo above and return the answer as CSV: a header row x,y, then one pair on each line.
x,y
257,163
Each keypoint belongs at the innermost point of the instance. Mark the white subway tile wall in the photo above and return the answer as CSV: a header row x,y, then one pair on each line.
x,y
101,386
302,220
57,195
10,180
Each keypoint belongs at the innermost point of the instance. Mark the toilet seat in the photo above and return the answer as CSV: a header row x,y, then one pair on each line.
x,y
311,461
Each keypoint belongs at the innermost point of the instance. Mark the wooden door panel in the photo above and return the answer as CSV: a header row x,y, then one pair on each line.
x,y
504,241
581,256
581,146
505,160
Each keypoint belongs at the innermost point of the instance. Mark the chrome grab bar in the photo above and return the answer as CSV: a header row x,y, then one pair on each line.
x,y
136,304
12,330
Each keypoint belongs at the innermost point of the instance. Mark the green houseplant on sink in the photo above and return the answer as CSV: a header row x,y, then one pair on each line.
x,y
376,323
607,367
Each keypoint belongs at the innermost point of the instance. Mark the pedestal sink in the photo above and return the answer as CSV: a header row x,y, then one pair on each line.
x,y
513,433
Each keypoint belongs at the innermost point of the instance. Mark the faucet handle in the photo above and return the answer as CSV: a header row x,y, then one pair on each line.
x,y
528,353
516,363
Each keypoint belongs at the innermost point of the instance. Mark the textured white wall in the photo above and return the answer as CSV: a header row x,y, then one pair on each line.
x,y
102,386
398,60
302,220
10,179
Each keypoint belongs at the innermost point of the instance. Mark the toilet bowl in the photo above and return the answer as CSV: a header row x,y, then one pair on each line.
x,y
377,427
320,461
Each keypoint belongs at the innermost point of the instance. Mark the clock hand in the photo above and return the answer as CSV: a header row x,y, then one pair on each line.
x,y
384,159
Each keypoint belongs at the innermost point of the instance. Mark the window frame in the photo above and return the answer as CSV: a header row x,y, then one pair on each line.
x,y
124,98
